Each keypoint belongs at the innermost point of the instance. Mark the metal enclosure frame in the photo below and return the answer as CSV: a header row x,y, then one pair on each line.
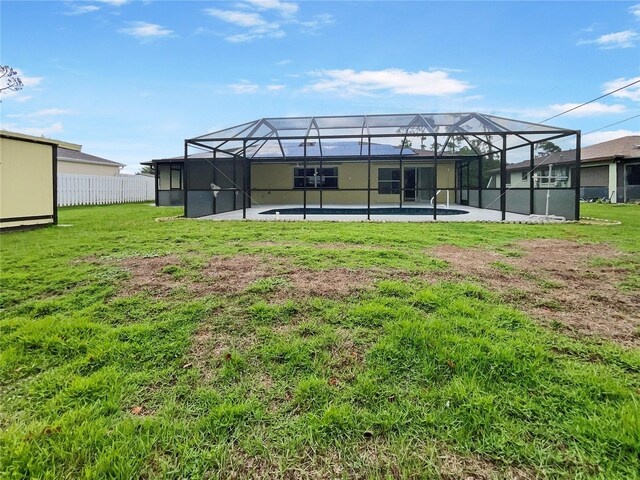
x,y
472,140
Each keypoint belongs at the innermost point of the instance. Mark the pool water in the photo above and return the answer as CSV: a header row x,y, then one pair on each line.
x,y
363,211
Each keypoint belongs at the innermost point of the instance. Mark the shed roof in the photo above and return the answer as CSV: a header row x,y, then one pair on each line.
x,y
33,138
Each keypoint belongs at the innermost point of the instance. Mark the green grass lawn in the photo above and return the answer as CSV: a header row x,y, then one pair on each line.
x,y
415,374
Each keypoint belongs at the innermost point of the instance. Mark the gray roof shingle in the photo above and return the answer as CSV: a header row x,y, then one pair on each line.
x,y
75,156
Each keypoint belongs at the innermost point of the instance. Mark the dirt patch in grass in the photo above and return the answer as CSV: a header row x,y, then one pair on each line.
x,y
453,466
334,282
162,276
321,245
555,281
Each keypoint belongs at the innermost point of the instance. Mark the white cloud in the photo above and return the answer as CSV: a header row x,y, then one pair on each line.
x,y
47,112
319,21
242,19
283,62
29,81
114,3
45,131
598,137
284,8
23,98
625,39
275,87
635,11
631,93
589,110
82,9
244,86
146,31
257,26
265,19
396,81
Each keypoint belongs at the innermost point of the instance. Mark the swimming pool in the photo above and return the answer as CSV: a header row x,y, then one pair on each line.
x,y
363,211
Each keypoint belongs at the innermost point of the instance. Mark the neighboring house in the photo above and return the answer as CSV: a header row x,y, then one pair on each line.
x,y
27,180
562,169
608,169
613,165
74,161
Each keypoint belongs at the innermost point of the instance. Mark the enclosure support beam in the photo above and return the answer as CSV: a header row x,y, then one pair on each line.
x,y
235,183
304,179
503,178
401,182
244,179
532,167
577,173
480,177
468,180
435,178
368,178
186,177
321,176
215,182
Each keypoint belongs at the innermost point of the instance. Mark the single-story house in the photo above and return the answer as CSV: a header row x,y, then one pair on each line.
x,y
359,160
74,161
28,179
608,170
170,191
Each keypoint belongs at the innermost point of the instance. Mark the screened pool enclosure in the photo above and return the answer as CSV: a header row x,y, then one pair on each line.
x,y
375,161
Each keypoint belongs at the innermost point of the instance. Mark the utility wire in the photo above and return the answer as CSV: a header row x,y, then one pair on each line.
x,y
611,125
590,101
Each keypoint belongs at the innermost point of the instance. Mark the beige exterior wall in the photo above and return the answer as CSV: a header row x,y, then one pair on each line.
x,y
350,175
87,168
26,181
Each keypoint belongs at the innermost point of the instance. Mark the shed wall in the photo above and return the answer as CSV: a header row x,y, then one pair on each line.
x,y
26,183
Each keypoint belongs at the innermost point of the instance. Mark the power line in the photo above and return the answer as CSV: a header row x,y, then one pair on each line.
x,y
611,125
590,101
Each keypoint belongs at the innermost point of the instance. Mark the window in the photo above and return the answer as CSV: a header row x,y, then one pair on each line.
x,y
524,176
316,178
176,177
169,177
389,181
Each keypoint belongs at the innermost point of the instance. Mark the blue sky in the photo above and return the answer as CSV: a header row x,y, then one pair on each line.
x,y
130,80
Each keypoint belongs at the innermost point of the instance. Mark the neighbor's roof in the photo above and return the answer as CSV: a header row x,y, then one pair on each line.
x,y
618,148
67,155
487,129
623,147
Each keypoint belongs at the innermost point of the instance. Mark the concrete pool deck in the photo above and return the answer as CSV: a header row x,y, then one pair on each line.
x,y
474,215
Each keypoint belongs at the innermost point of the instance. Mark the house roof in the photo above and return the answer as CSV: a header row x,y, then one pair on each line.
x,y
329,150
76,156
617,149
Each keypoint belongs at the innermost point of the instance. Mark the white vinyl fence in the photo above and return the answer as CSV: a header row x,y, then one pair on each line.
x,y
99,190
